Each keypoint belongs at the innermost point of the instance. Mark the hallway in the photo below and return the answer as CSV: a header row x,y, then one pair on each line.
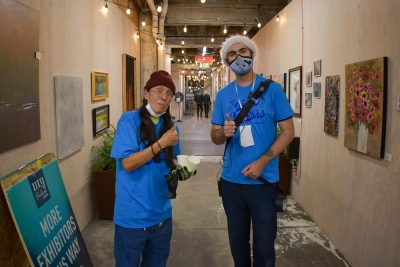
x,y
200,236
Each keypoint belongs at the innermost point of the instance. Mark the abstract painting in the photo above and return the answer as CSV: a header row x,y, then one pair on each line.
x,y
365,106
331,118
295,90
19,72
317,90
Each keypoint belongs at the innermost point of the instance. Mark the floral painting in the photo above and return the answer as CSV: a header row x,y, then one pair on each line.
x,y
331,117
365,106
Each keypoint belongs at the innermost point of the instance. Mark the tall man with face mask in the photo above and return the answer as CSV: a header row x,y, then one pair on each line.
x,y
252,153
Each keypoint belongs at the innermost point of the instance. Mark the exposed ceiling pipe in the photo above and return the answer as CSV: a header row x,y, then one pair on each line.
x,y
154,13
162,20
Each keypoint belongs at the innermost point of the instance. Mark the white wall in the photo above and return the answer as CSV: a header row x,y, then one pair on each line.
x,y
354,198
76,39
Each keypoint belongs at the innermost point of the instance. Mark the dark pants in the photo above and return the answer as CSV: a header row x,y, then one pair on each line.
x,y
145,247
199,109
245,205
206,109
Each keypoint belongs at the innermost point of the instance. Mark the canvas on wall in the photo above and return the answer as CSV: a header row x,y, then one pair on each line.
x,y
281,79
317,90
128,81
365,106
295,90
19,70
308,100
69,115
331,118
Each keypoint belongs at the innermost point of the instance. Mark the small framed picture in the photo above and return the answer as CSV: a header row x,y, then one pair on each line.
x,y
295,90
309,79
100,119
317,68
317,90
308,100
99,86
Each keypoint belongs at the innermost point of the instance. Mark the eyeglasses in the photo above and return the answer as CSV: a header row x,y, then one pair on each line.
x,y
162,91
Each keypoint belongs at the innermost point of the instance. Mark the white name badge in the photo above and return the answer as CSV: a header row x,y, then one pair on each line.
x,y
246,137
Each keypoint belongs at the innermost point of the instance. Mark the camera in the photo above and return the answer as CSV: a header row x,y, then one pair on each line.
x,y
281,203
178,174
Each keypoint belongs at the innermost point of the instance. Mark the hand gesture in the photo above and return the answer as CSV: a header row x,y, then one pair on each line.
x,y
229,126
169,138
254,169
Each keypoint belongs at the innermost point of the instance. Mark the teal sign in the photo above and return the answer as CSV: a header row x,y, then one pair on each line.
x,y
43,216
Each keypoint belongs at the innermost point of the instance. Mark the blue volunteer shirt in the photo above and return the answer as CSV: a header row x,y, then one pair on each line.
x,y
271,107
140,199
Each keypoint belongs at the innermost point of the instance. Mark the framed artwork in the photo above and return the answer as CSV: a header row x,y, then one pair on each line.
x,y
308,100
128,82
317,90
281,79
309,79
317,68
295,90
365,106
100,119
19,83
331,117
99,85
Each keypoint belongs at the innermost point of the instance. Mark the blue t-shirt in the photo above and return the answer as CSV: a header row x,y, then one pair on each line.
x,y
270,108
140,195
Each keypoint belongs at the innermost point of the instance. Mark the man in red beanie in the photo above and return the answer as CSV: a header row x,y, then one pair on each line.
x,y
145,146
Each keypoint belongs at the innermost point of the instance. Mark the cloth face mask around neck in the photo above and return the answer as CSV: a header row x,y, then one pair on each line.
x,y
241,65
152,112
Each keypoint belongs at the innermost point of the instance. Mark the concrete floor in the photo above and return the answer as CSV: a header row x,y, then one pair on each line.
x,y
200,236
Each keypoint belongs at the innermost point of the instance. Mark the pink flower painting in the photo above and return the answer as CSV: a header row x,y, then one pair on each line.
x,y
365,106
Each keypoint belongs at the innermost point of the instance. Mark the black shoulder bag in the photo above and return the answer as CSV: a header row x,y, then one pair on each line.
x,y
252,99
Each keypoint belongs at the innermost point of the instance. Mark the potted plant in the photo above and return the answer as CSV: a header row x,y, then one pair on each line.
x,y
103,169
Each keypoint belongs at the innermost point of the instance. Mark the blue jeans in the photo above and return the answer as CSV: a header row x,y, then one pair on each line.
x,y
144,247
245,205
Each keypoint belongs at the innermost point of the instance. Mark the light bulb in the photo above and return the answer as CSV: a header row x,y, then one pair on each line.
x,y
259,25
202,1
244,32
185,28
143,23
212,40
105,9
183,51
159,8
225,30
277,18
128,11
183,42
204,50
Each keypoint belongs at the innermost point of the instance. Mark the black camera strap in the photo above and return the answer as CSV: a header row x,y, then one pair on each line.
x,y
252,99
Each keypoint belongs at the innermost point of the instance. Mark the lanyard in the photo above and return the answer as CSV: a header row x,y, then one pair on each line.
x,y
237,93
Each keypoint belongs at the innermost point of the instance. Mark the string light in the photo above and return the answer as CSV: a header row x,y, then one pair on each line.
x,y
143,23
277,18
128,10
105,8
185,28
183,42
212,40
225,30
159,8
202,1
244,32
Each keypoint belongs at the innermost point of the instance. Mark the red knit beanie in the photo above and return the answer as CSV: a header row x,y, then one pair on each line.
x,y
160,77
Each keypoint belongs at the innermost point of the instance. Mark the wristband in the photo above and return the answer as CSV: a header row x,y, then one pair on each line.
x,y
158,144
152,150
